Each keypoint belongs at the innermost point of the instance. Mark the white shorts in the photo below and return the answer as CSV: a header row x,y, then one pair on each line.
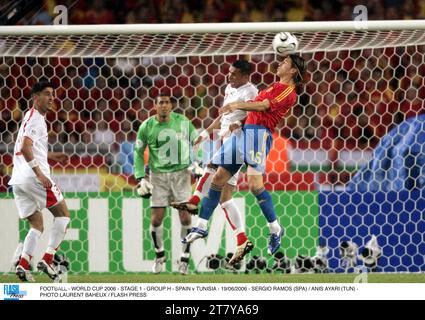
x,y
170,187
32,197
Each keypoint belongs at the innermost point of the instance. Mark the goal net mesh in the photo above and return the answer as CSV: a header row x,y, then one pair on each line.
x,y
197,44
347,162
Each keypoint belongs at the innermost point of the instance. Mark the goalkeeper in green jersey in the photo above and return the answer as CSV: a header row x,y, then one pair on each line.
x,y
168,136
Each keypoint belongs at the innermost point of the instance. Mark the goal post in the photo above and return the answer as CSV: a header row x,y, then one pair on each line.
x,y
347,163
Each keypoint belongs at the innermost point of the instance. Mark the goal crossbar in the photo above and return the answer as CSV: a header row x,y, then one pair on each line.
x,y
203,39
185,28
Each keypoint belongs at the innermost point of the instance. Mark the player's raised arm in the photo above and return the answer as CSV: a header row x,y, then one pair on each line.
x,y
60,157
246,106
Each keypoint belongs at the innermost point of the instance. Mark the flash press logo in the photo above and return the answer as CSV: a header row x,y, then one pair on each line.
x,y
12,292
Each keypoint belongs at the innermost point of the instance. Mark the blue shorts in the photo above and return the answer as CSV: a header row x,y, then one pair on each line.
x,y
250,146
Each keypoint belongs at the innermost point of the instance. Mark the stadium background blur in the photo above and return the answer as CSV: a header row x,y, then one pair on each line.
x,y
193,11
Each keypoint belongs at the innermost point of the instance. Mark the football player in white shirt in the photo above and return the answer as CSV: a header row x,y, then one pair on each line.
x,y
33,189
238,89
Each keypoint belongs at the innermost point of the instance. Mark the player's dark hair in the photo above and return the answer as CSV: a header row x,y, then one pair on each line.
x,y
41,85
243,65
163,94
298,62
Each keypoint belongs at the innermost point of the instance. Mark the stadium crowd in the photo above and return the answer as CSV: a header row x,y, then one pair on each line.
x,y
193,11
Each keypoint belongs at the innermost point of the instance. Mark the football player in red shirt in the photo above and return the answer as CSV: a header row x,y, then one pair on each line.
x,y
251,146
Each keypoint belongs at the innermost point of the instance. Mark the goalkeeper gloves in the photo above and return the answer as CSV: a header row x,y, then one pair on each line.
x,y
144,189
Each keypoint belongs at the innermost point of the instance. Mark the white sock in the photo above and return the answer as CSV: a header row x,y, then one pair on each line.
x,y
204,183
30,243
58,232
184,231
274,227
157,234
234,216
202,224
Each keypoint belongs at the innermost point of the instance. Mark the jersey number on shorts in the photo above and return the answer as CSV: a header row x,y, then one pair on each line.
x,y
256,157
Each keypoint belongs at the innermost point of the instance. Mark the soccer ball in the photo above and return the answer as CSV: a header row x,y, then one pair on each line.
x,y
285,43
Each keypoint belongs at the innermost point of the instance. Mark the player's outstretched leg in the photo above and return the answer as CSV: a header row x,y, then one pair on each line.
x,y
30,245
195,234
265,202
207,208
234,217
201,191
276,231
57,234
209,203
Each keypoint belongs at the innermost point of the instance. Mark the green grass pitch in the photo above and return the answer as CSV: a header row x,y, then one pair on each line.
x,y
228,278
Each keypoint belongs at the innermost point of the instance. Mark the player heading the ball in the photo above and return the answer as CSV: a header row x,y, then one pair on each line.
x,y
252,146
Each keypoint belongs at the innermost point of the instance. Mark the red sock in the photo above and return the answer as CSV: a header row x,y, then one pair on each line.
x,y
194,200
48,258
199,187
24,263
241,238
